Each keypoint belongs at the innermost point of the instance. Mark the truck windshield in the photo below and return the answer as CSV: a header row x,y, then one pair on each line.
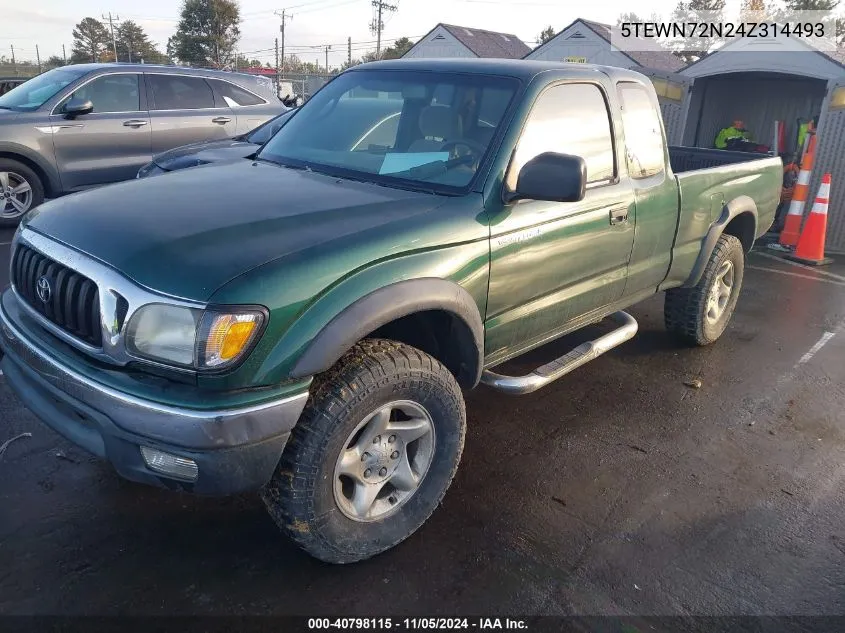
x,y
34,93
425,130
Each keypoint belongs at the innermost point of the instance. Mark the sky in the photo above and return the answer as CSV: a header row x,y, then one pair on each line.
x,y
315,23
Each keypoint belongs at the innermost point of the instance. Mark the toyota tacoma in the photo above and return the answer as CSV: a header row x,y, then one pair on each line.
x,y
303,324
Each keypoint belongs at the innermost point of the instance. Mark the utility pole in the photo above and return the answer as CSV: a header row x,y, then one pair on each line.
x,y
130,50
328,47
38,57
278,75
14,65
377,25
284,15
349,51
64,54
112,20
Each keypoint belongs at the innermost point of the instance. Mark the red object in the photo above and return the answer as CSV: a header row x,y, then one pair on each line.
x,y
781,136
810,249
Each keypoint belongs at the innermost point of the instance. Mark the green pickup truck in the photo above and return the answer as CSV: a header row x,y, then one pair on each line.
x,y
302,322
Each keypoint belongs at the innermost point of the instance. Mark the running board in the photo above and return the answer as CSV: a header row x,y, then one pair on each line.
x,y
584,353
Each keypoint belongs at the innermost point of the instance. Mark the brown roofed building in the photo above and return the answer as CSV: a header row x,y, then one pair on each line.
x,y
448,40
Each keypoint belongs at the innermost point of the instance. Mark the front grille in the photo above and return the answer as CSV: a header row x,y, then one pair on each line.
x,y
74,301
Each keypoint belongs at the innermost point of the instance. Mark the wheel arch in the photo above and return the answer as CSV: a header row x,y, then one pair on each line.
x,y
437,316
738,218
49,177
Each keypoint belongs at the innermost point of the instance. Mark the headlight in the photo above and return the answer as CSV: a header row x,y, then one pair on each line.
x,y
190,337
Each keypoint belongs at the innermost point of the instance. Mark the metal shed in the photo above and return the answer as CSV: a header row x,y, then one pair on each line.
x,y
768,79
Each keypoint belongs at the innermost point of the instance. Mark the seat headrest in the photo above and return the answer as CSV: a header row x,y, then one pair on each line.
x,y
439,122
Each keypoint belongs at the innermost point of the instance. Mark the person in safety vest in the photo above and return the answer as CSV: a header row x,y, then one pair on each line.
x,y
737,130
804,128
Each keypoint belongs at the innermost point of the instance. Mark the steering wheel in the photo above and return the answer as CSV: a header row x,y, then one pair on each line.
x,y
475,148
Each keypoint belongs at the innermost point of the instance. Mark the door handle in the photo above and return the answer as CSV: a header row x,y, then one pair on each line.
x,y
221,119
134,123
619,215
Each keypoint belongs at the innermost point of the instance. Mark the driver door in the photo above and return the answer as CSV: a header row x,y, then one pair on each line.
x,y
111,143
551,263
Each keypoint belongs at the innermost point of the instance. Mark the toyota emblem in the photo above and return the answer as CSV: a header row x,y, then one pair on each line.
x,y
42,287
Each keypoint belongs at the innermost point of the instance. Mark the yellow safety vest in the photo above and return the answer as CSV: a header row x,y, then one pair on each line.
x,y
728,133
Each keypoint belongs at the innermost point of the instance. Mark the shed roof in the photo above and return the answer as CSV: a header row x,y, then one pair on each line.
x,y
488,44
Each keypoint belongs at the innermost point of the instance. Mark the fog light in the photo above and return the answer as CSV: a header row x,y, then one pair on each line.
x,y
168,464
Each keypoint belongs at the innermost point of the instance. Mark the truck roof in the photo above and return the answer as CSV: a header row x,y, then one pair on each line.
x,y
519,68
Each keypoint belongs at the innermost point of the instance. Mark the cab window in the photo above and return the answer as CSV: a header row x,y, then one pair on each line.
x,y
643,131
568,119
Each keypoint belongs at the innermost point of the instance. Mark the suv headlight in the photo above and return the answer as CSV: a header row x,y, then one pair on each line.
x,y
190,337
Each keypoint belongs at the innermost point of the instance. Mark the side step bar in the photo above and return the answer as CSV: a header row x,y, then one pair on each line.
x,y
584,353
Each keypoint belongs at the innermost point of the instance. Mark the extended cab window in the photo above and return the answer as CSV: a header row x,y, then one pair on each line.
x,y
173,92
110,93
643,135
568,119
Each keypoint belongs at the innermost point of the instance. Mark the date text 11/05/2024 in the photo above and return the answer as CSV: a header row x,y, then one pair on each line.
x,y
413,624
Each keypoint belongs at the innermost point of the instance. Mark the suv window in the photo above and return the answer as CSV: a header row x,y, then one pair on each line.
x,y
174,92
235,96
570,119
643,135
110,93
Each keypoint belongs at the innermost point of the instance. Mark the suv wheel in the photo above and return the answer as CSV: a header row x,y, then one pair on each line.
x,y
699,315
372,454
20,190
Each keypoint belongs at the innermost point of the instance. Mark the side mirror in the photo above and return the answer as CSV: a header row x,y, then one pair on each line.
x,y
551,176
77,107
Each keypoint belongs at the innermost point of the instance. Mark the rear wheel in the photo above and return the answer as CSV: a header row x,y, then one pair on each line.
x,y
372,454
20,190
699,315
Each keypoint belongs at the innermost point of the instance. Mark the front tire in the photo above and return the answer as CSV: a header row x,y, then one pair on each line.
x,y
699,315
20,190
372,454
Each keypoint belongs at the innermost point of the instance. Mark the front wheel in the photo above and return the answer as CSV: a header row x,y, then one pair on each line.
x,y
20,190
699,315
372,454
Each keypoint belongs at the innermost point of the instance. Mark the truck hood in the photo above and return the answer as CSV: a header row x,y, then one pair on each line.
x,y
191,232
204,153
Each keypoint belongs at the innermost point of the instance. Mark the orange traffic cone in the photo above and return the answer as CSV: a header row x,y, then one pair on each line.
x,y
810,249
792,227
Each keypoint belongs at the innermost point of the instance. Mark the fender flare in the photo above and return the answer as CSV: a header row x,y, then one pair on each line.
x,y
734,208
387,304
53,185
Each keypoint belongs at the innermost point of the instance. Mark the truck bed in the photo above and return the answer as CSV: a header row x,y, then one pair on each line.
x,y
708,180
685,159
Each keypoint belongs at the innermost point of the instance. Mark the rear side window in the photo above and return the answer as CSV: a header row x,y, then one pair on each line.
x,y
174,92
110,93
235,96
643,136
568,119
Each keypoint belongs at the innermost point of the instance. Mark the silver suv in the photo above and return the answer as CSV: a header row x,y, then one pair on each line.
x,y
89,124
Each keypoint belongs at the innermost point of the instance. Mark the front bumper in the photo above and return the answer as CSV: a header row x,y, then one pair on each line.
x,y
234,449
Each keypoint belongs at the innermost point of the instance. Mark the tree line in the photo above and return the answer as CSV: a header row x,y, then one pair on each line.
x,y
207,35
